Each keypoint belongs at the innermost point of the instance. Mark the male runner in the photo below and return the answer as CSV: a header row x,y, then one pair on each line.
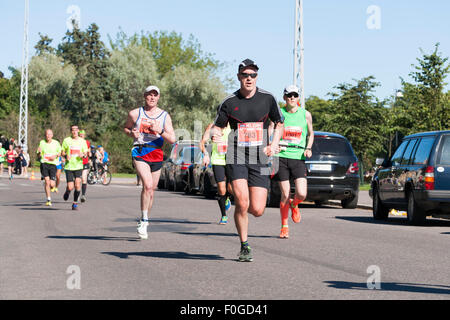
x,y
85,167
2,158
218,162
297,127
149,126
50,151
249,111
74,148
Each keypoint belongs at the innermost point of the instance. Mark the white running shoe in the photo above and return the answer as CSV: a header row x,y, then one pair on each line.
x,y
142,229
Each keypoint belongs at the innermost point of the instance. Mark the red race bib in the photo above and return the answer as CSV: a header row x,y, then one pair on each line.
x,y
250,134
145,126
292,134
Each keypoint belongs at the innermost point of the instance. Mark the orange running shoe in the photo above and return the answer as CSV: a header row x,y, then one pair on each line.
x,y
296,216
284,234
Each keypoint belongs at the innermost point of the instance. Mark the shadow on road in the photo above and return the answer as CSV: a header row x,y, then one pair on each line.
x,y
166,255
392,286
207,234
400,221
104,238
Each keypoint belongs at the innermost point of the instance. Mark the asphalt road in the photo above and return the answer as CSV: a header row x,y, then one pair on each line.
x,y
94,253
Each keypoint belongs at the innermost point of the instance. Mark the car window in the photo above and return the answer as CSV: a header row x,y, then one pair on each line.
x,y
408,152
423,150
331,146
444,151
189,154
397,156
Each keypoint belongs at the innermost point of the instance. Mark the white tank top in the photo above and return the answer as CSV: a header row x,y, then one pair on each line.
x,y
148,136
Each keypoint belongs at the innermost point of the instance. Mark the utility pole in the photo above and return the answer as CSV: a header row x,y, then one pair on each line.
x,y
298,51
23,120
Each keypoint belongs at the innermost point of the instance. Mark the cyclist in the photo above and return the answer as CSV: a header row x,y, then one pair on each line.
x,y
218,162
49,151
150,127
249,111
74,149
295,145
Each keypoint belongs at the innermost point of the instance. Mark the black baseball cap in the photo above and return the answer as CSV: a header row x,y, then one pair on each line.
x,y
247,63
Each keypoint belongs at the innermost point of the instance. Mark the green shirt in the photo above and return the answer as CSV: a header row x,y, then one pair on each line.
x,y
2,154
295,132
48,150
219,150
74,149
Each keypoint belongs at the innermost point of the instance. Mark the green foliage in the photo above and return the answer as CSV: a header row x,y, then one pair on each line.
x,y
358,115
320,112
43,46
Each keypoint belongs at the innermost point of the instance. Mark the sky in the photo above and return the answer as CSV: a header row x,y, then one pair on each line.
x,y
343,40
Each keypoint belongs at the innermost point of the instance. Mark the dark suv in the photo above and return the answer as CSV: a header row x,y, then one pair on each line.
x,y
416,178
332,172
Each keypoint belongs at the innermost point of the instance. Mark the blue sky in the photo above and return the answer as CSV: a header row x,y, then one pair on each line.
x,y
339,46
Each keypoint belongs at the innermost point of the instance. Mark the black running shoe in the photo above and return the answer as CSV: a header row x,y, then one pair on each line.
x,y
66,195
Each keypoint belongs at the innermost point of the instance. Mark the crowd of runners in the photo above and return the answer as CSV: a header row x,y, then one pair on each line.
x,y
252,139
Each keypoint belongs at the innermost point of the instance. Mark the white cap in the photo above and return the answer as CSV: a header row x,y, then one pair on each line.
x,y
152,88
290,89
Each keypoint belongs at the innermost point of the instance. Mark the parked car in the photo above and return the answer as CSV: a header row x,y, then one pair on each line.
x,y
416,178
332,172
170,172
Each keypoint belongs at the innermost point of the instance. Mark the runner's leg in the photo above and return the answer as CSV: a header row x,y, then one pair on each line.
x,y
241,198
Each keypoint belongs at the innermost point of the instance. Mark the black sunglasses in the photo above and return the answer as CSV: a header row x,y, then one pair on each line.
x,y
292,94
246,75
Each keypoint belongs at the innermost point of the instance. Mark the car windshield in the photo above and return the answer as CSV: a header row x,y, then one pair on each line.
x,y
331,146
190,154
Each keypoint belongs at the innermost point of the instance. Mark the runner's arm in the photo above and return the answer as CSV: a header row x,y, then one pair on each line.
x,y
308,152
168,133
206,137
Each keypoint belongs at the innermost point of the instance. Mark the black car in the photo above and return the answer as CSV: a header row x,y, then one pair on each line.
x,y
171,169
416,178
332,172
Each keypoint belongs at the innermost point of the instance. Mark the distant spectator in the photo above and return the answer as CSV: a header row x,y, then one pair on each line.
x,y
11,156
2,157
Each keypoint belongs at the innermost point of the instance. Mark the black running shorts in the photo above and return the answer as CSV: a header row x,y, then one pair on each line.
x,y
71,175
219,173
257,175
290,168
48,170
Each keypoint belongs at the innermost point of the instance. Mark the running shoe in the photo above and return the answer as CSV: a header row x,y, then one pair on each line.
x,y
246,254
66,195
296,216
224,220
284,233
48,203
83,198
74,206
142,229
56,190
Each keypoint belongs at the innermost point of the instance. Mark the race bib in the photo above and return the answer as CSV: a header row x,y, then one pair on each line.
x,y
145,126
75,151
250,134
48,157
222,148
292,134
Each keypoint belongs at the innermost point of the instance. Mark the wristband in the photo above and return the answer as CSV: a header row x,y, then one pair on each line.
x,y
308,149
162,131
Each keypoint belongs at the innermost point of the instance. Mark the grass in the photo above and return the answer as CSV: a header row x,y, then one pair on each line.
x,y
124,175
364,187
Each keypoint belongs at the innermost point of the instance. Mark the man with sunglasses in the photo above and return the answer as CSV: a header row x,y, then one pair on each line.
x,y
293,152
249,112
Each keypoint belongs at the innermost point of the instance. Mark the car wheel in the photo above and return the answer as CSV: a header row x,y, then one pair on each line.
x,y
207,188
350,203
415,215
380,212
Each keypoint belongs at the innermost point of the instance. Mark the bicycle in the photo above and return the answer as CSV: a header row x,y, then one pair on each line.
x,y
99,176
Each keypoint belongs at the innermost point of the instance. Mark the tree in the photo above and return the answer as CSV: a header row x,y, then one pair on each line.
x,y
169,50
359,116
424,105
320,111
43,45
